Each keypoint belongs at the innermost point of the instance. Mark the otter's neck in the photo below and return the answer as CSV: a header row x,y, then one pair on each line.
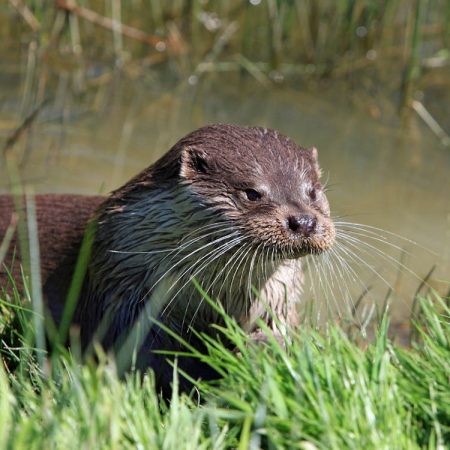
x,y
149,252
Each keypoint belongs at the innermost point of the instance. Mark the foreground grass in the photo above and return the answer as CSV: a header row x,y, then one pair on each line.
x,y
314,391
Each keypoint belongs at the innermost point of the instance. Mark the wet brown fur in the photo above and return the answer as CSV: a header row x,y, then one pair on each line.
x,y
61,223
216,163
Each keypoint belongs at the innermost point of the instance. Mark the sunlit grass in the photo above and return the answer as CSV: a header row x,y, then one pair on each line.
x,y
307,390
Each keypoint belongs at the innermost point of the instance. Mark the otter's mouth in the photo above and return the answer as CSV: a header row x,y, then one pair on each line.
x,y
300,247
302,251
298,251
286,247
281,241
315,243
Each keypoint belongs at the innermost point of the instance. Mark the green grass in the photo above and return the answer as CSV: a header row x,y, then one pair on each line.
x,y
316,390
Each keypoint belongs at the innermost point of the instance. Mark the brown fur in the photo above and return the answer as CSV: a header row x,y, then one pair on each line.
x,y
203,179
61,222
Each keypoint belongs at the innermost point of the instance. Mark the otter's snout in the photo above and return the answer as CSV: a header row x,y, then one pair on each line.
x,y
304,225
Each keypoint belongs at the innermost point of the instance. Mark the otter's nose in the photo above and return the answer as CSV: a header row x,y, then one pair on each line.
x,y
304,225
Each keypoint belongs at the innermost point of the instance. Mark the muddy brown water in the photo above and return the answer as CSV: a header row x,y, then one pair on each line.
x,y
381,173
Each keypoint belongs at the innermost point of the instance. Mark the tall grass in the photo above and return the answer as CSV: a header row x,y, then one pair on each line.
x,y
309,37
308,390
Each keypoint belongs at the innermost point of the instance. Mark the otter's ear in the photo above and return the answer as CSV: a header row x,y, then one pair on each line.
x,y
193,161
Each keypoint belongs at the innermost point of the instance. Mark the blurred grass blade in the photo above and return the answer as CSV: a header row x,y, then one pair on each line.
x,y
36,282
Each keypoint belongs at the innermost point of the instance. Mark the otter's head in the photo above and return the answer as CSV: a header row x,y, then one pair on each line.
x,y
259,181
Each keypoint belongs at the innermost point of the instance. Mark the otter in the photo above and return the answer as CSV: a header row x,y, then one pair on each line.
x,y
235,208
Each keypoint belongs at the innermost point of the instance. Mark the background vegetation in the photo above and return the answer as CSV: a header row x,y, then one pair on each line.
x,y
270,40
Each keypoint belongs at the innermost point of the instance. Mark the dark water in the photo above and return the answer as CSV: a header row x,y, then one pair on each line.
x,y
380,172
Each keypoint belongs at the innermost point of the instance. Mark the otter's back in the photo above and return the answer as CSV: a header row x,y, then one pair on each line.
x,y
61,220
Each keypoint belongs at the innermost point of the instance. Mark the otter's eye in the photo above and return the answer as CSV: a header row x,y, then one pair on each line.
x,y
252,195
312,194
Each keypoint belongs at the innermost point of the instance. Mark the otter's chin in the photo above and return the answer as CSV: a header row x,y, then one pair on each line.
x,y
308,248
295,254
